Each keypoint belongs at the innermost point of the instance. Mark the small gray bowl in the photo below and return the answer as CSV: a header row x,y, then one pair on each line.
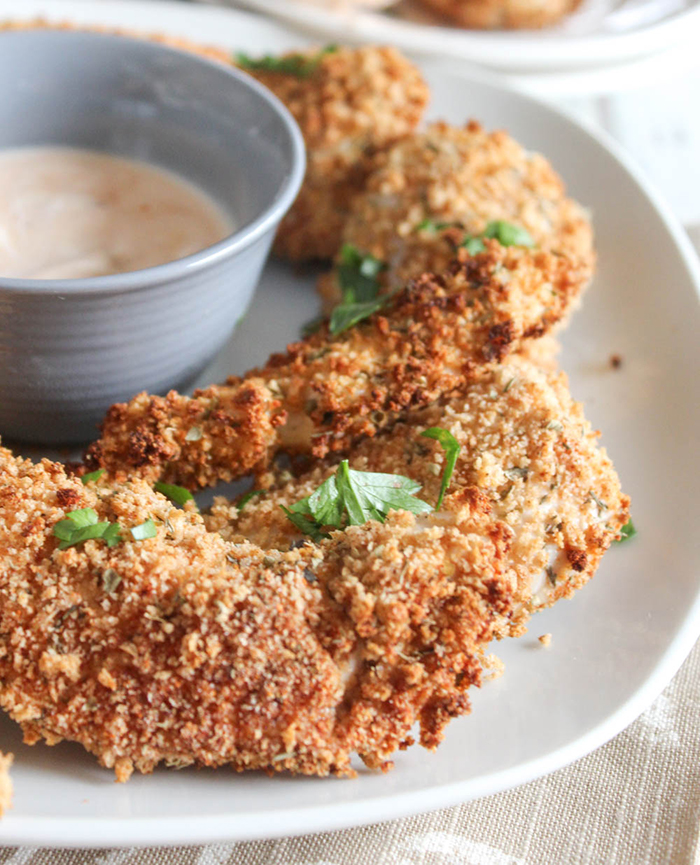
x,y
71,348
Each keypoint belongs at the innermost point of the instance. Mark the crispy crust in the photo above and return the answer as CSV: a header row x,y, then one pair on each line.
x,y
326,392
529,460
216,653
463,177
356,102
503,14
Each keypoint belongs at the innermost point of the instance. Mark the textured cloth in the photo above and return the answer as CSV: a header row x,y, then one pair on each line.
x,y
634,801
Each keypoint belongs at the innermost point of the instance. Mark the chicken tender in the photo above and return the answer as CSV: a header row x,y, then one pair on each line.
x,y
184,648
349,103
529,462
503,14
434,188
329,390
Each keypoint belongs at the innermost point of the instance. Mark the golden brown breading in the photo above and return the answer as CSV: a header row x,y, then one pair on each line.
x,y
5,782
354,103
327,391
434,187
186,648
529,461
503,14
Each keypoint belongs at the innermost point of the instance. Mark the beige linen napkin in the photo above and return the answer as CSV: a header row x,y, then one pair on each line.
x,y
635,801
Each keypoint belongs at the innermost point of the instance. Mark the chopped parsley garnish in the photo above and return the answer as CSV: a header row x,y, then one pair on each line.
x,y
504,232
110,580
627,531
347,315
83,525
452,448
433,226
92,476
177,495
247,497
358,275
146,530
300,65
351,498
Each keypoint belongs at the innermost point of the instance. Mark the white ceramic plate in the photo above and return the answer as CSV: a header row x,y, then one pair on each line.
x,y
599,32
614,646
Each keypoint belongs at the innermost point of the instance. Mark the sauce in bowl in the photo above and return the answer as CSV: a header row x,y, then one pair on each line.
x,y
70,214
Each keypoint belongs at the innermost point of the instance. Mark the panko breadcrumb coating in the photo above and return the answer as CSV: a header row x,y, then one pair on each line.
x,y
529,461
503,14
5,782
355,102
185,648
327,391
231,640
427,192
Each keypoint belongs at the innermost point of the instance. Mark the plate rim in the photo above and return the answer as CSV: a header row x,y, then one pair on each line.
x,y
171,831
516,50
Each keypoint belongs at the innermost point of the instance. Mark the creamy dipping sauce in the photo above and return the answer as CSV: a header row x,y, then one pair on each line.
x,y
70,214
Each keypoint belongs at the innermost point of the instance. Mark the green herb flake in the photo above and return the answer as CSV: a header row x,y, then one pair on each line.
x,y
347,315
299,65
508,234
452,448
358,274
243,501
177,495
92,476
145,531
432,226
352,498
473,245
517,472
626,532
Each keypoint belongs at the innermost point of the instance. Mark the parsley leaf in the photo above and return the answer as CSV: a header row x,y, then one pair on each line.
x,y
247,497
627,531
347,315
146,530
300,65
358,275
433,226
92,476
504,232
508,234
82,525
352,498
177,495
452,448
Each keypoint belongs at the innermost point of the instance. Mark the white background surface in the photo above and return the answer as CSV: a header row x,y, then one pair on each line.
x,y
614,646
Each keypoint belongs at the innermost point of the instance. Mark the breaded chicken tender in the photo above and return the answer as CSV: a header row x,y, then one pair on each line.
x,y
434,188
230,639
329,390
529,462
5,782
503,14
349,104
185,648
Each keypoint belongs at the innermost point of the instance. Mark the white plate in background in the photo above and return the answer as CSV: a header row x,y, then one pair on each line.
x,y
615,645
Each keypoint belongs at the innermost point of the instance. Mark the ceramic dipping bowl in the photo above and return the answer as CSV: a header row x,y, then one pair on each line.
x,y
69,348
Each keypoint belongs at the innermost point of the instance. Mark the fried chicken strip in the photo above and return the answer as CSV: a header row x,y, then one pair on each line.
x,y
350,104
186,648
433,188
503,14
231,640
327,391
529,462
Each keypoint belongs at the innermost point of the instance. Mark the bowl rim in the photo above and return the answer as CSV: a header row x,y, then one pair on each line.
x,y
232,244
